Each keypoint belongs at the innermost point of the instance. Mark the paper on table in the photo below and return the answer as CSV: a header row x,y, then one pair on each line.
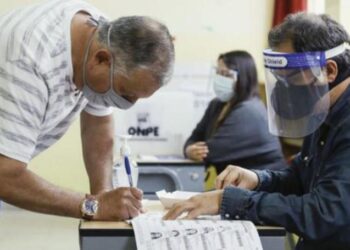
x,y
168,199
153,233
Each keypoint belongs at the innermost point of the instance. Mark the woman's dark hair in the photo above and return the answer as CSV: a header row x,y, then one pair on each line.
x,y
247,82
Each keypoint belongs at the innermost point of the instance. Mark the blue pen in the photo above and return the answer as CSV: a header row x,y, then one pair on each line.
x,y
128,170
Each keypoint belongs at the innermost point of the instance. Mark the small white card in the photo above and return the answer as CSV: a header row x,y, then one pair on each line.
x,y
168,199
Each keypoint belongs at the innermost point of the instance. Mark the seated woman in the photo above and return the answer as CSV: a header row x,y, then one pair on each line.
x,y
234,128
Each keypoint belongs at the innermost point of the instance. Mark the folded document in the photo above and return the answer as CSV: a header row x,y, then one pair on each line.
x,y
168,199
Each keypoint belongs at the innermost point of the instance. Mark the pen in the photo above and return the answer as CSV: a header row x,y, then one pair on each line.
x,y
128,170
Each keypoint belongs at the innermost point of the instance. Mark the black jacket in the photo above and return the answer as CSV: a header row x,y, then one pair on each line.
x,y
312,197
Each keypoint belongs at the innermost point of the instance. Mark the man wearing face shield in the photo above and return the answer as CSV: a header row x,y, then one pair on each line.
x,y
68,59
308,69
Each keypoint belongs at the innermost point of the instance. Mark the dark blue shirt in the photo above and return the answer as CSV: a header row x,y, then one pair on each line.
x,y
312,197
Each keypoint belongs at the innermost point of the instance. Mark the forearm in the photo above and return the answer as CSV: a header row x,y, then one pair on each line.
x,y
198,133
99,169
97,141
98,157
315,215
286,181
283,181
21,187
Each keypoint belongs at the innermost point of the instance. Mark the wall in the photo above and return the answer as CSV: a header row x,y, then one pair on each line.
x,y
203,29
343,7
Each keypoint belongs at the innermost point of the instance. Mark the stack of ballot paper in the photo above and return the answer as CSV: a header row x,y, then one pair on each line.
x,y
168,199
153,233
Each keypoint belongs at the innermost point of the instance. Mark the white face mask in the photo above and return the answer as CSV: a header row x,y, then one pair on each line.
x,y
109,98
224,86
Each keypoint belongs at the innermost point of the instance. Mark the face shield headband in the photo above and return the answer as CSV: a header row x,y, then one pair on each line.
x,y
297,90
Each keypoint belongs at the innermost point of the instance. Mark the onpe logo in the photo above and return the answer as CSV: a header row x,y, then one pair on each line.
x,y
142,129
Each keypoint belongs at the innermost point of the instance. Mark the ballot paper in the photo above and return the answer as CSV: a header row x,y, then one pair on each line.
x,y
168,199
153,233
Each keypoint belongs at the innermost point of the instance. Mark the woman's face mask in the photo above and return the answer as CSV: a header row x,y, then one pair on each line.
x,y
223,87
109,98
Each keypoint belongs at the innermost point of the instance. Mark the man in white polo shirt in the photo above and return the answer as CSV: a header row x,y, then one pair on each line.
x,y
59,59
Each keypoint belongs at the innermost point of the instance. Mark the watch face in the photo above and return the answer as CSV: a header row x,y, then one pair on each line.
x,y
90,207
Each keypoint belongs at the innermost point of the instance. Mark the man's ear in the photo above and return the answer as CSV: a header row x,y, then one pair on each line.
x,y
332,70
102,56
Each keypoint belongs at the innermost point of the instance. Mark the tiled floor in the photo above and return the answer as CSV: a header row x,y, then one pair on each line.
x,y
24,230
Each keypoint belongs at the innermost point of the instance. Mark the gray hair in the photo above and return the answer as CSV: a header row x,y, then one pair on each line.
x,y
139,42
312,32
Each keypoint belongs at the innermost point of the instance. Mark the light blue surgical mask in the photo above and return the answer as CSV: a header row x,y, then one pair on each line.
x,y
109,98
224,87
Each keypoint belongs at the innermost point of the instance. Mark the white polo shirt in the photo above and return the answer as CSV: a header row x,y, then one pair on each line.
x,y
38,101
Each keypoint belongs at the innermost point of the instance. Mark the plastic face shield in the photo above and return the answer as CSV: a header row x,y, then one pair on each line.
x,y
297,90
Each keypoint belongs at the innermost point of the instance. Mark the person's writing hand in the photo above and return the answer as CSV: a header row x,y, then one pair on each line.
x,y
119,204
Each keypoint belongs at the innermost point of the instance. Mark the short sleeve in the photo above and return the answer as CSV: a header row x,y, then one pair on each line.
x,y
97,110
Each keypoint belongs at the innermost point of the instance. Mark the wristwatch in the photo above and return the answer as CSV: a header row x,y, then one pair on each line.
x,y
89,207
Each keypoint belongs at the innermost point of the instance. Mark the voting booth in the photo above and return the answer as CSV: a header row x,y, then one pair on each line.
x,y
159,127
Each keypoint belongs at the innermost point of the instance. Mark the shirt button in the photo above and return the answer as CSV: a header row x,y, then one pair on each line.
x,y
227,216
237,217
321,143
